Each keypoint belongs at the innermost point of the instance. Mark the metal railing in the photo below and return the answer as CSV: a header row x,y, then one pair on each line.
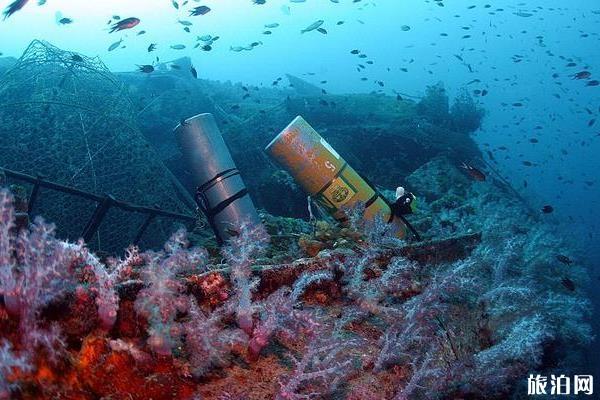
x,y
104,204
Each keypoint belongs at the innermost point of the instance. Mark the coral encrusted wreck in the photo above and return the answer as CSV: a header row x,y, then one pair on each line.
x,y
467,315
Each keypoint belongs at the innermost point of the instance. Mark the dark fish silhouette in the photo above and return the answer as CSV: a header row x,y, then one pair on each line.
x,y
547,209
194,72
568,283
564,259
127,23
581,75
200,10
473,172
146,69
14,7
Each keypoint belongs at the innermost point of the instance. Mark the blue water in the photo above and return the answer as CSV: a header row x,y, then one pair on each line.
x,y
513,50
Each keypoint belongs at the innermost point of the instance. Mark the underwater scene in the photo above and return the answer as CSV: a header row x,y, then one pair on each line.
x,y
299,199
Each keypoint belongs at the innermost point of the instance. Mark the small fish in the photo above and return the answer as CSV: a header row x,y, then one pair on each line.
x,y
405,28
127,23
175,5
592,83
152,47
178,46
474,172
322,30
564,259
568,283
201,10
581,75
141,33
355,51
65,21
315,25
547,209
14,7
271,26
185,23
194,72
146,69
115,45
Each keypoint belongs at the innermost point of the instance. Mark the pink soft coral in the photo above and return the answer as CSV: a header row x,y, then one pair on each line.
x,y
240,253
163,297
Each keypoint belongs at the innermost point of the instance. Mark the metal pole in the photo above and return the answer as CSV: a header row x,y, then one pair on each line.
x,y
99,213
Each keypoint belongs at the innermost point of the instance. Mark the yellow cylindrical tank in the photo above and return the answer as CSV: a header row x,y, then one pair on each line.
x,y
325,175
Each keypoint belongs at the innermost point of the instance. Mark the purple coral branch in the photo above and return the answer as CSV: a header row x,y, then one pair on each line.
x,y
324,365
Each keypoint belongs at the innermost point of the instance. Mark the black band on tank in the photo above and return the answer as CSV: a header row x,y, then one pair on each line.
x,y
225,203
371,200
217,178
